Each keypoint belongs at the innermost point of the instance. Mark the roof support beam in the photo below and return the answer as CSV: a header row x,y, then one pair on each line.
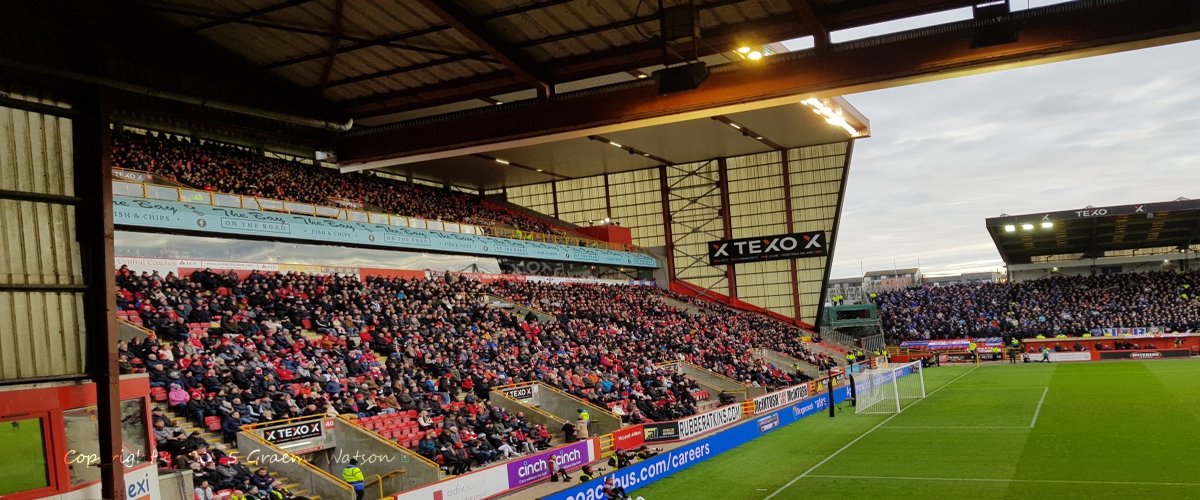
x,y
811,23
471,27
602,63
650,53
339,7
1054,33
305,30
247,15
399,37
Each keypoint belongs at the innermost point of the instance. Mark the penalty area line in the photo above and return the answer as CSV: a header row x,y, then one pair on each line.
x,y
999,480
863,435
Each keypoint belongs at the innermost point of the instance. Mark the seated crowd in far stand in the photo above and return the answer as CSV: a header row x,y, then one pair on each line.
x,y
1051,306
429,346
228,169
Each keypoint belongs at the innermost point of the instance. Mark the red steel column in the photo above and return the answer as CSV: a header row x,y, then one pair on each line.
x,y
787,205
607,199
668,239
94,215
554,198
723,184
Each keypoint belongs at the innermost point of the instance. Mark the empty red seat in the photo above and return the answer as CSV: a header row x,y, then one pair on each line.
x,y
212,423
158,394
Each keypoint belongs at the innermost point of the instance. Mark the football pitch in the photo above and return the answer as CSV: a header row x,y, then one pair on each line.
x,y
1088,430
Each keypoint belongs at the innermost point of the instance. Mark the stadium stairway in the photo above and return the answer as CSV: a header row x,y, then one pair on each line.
x,y
522,311
215,439
834,350
692,309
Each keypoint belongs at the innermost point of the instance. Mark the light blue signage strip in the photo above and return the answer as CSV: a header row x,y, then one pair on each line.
x,y
157,214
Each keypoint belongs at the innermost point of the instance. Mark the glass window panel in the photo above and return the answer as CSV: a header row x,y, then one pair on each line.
x,y
23,464
83,446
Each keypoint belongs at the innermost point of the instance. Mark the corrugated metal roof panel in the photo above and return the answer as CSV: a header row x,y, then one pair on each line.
x,y
599,81
420,113
516,96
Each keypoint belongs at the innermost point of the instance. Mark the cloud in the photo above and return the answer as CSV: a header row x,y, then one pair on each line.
x,y
944,156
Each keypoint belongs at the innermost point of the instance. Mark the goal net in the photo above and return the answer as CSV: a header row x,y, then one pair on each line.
x,y
889,388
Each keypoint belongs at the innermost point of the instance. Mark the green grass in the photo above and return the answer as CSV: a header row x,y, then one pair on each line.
x,y
23,462
1105,430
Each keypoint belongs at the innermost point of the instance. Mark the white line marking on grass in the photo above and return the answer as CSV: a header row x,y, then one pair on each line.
x,y
1039,408
863,435
954,427
997,480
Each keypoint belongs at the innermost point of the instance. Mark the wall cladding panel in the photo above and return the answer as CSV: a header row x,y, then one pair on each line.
x,y
41,310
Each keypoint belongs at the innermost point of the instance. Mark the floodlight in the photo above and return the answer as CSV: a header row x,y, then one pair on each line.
x,y
1047,225
1027,227
1008,228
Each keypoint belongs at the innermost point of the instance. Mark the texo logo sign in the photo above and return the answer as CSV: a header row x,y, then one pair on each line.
x,y
783,246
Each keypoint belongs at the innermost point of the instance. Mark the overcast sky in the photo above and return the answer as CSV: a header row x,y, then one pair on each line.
x,y
944,156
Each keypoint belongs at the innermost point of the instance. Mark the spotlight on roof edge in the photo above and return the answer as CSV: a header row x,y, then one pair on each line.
x,y
1047,225
1009,228
1027,227
833,116
752,53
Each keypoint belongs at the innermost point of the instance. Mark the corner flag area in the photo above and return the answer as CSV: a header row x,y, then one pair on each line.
x,y
1091,430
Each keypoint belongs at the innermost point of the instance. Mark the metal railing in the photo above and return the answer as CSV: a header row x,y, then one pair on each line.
x,y
499,392
228,200
388,442
577,399
298,469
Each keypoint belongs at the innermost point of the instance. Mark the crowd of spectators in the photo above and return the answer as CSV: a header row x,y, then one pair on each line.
x,y
229,169
433,346
1063,305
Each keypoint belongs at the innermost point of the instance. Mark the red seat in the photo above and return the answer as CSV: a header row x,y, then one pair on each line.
x,y
212,423
158,393
306,324
166,458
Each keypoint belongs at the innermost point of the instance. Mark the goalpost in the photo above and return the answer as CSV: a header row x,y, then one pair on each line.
x,y
888,389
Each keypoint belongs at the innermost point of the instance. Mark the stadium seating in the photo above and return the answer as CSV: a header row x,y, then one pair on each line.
x,y
1049,307
240,355
230,169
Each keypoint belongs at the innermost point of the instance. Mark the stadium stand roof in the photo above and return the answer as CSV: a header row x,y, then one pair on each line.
x,y
1094,232
413,58
429,80
892,272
